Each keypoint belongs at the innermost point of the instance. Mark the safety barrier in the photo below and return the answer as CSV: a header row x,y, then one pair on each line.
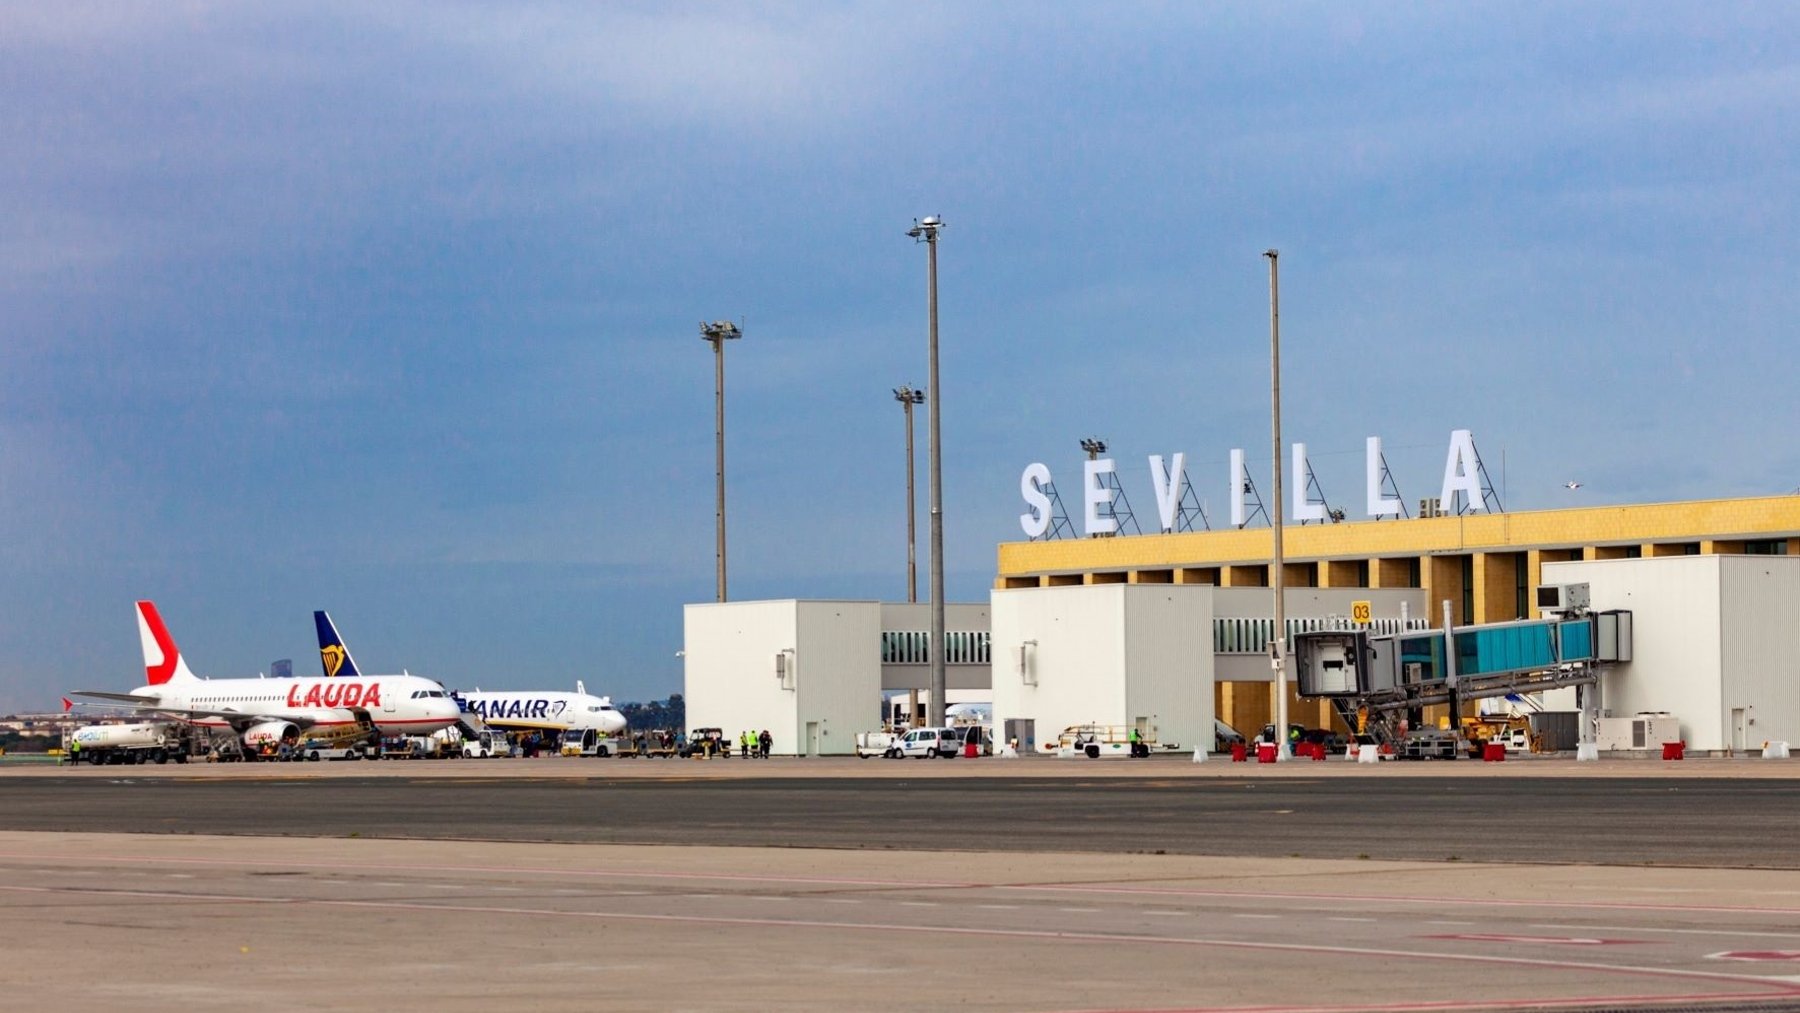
x,y
1674,750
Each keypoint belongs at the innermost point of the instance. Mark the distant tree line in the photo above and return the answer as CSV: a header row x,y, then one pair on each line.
x,y
670,713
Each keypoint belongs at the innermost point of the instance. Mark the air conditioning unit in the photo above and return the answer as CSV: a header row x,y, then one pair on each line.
x,y
1562,597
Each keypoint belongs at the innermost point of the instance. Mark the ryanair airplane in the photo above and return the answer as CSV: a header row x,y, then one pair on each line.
x,y
516,710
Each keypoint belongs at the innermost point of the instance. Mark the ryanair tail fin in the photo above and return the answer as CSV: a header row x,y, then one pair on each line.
x,y
333,655
162,659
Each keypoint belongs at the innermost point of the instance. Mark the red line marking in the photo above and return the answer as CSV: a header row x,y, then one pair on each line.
x,y
1503,937
1773,988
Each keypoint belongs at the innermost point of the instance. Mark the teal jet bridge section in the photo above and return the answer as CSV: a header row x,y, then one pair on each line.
x,y
1388,676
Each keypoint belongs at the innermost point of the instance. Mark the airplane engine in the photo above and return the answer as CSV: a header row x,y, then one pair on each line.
x,y
272,732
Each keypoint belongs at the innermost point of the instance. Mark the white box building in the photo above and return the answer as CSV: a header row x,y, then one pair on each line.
x,y
1135,655
1716,643
808,671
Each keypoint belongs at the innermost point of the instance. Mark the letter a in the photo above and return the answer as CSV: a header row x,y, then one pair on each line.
x,y
1459,472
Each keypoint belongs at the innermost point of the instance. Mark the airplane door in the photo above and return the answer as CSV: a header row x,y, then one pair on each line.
x,y
389,702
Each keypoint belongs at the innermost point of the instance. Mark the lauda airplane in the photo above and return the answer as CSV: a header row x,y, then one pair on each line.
x,y
521,710
280,710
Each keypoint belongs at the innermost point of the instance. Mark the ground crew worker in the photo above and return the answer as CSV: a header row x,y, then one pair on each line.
x,y
1137,743
764,741
75,752
1293,738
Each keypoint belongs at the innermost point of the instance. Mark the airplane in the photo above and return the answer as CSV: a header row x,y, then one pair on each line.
x,y
970,713
279,710
528,710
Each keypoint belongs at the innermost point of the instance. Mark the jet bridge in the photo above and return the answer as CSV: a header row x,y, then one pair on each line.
x,y
1373,681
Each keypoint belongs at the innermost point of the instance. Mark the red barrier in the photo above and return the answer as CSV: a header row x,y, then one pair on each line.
x,y
1674,750
1493,752
1265,752
1240,753
1318,751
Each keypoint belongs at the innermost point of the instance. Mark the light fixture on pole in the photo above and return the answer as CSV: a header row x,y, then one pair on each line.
x,y
1277,566
717,333
908,398
925,230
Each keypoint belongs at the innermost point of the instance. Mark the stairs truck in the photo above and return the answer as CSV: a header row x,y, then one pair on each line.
x,y
140,742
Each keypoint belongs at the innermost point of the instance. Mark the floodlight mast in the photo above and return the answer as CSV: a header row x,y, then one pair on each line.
x,y
717,333
926,230
1278,578
908,398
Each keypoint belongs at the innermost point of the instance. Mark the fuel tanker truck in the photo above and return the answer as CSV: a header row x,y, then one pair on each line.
x,y
142,742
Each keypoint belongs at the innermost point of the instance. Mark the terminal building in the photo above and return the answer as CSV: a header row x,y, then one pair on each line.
x,y
1164,632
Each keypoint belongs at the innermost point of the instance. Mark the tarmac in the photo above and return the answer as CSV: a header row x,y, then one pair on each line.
x,y
838,884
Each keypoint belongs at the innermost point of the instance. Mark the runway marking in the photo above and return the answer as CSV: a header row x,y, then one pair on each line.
x,y
1345,918
1167,914
1080,910
1374,899
1254,916
1675,932
998,907
918,903
1337,898
1449,923
1768,988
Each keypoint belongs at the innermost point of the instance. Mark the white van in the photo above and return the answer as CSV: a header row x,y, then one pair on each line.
x,y
927,742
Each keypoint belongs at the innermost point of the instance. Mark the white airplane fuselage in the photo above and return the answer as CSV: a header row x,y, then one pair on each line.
x,y
548,708
396,704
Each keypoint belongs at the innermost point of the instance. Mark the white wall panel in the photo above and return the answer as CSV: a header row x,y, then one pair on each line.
x,y
1169,661
1760,627
838,675
1676,648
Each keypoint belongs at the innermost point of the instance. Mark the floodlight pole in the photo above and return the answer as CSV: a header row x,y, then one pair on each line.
x,y
926,230
717,334
1278,566
908,398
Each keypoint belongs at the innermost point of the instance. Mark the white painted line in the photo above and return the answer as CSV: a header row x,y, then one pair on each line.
x,y
1080,910
1672,932
998,907
1256,916
1344,919
1449,923
1167,914
1061,935
841,900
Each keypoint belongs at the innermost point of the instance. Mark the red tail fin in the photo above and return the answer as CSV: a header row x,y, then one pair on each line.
x,y
162,659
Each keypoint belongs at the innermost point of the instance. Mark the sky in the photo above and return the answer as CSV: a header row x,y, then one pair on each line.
x,y
393,309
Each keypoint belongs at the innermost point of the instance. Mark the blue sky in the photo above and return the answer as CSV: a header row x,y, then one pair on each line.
x,y
392,309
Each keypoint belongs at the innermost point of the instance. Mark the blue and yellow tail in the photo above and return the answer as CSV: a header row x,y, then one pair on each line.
x,y
333,655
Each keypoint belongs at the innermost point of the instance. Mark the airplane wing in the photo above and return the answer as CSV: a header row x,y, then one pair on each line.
x,y
139,698
239,720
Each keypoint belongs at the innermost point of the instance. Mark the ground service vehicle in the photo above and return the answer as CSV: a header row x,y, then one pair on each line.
x,y
1099,742
485,745
707,742
588,742
875,743
140,742
922,743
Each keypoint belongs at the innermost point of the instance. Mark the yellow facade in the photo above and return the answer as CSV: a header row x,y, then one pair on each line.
x,y
1485,565
1478,561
